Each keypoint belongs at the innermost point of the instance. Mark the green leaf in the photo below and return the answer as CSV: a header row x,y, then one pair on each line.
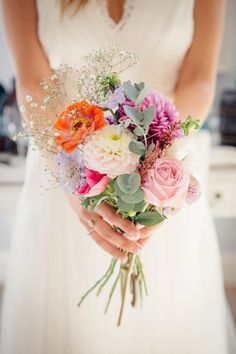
x,y
134,114
139,87
91,203
117,189
128,183
137,147
133,197
148,116
142,95
138,131
130,90
151,147
127,122
190,124
125,206
149,218
140,206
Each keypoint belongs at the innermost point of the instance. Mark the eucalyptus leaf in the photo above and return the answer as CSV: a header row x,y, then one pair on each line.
x,y
139,87
149,218
128,183
151,147
125,206
134,114
130,90
136,197
148,115
138,131
137,147
142,95
140,206
117,189
127,122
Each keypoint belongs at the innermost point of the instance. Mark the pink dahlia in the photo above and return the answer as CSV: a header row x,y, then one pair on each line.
x,y
165,126
165,119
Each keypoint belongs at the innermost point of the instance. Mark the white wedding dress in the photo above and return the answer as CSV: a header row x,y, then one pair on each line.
x,y
53,259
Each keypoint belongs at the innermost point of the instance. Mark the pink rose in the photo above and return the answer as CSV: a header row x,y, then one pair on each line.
x,y
95,184
166,184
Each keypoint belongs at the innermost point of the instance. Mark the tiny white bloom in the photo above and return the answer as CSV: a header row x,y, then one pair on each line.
x,y
28,98
22,108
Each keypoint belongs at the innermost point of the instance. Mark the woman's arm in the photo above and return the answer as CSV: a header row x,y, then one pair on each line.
x,y
30,61
196,82
31,66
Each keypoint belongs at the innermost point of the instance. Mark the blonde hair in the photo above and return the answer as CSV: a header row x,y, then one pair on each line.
x,y
66,3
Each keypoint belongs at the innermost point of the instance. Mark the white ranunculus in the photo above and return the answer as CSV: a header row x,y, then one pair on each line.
x,y
107,151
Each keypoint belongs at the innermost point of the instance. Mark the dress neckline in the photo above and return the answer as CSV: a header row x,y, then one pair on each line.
x,y
127,11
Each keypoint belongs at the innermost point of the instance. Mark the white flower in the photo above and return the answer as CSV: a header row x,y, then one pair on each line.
x,y
107,151
182,149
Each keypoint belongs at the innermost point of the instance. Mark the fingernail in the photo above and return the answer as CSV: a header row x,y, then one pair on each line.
x,y
133,237
139,226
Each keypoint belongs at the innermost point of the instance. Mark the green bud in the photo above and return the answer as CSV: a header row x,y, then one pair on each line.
x,y
132,213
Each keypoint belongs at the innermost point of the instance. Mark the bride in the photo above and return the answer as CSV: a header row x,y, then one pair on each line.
x,y
53,258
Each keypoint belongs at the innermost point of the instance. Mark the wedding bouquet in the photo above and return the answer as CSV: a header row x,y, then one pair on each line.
x,y
112,142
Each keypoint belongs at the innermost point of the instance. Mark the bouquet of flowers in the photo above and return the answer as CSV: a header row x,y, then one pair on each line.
x,y
111,142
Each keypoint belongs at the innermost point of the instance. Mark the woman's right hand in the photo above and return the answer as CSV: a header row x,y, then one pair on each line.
x,y
99,227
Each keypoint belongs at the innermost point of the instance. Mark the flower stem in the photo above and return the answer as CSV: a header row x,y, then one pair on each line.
x,y
107,277
97,283
140,266
112,291
126,284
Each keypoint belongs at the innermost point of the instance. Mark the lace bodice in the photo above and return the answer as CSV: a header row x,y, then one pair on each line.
x,y
159,31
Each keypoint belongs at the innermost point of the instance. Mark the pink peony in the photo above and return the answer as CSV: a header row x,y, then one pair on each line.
x,y
95,184
166,184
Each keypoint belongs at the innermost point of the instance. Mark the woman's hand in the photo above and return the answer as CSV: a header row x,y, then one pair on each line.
x,y
99,226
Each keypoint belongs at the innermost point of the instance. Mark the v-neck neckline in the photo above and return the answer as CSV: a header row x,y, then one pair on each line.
x,y
126,13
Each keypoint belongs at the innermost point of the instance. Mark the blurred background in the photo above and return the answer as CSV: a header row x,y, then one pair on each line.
x,y
217,142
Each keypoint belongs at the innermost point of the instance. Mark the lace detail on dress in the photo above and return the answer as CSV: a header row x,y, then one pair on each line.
x,y
127,11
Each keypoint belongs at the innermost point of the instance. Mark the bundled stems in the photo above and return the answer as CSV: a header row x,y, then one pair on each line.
x,y
126,284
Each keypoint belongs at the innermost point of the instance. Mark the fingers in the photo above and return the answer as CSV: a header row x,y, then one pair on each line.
x,y
113,218
144,241
108,247
148,231
106,232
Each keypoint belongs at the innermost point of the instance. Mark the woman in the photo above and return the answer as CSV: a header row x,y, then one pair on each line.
x,y
53,260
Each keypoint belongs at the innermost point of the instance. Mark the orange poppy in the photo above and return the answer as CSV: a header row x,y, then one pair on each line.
x,y
76,122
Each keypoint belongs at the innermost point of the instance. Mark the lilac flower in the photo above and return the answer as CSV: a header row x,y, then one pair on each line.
x,y
110,119
114,99
70,171
193,193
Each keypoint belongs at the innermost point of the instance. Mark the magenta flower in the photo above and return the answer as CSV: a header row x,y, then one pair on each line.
x,y
165,126
95,184
166,116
